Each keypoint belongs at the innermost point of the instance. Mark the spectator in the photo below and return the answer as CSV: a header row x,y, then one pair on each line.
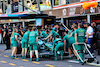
x,y
52,26
42,28
57,28
5,37
21,32
46,27
98,38
61,30
89,35
85,26
98,27
9,33
93,25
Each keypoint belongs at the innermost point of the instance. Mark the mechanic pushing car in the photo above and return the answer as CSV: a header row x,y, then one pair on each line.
x,y
14,42
73,35
43,34
25,41
68,41
58,45
53,34
33,40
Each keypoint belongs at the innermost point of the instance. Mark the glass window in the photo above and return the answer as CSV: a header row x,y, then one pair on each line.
x,y
32,4
59,2
45,4
63,1
14,6
0,8
9,1
56,2
0,5
4,6
8,10
20,7
73,1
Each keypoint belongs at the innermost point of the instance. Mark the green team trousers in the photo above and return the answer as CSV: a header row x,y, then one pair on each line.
x,y
59,46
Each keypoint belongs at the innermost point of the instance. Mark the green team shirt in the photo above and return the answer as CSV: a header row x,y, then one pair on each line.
x,y
69,32
13,37
32,36
54,33
26,35
80,34
36,31
58,39
70,40
44,34
73,33
55,42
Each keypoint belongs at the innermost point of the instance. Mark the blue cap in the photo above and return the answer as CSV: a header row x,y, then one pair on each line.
x,y
52,24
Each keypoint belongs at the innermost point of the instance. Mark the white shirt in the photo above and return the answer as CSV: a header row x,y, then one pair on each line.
x,y
89,31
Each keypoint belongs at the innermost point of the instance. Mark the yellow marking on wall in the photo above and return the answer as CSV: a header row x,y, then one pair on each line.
x,y
3,61
0,54
24,60
6,56
49,65
36,62
12,64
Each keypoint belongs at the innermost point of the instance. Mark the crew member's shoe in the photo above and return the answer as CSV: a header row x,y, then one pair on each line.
x,y
70,58
22,57
76,57
80,61
37,59
30,59
55,59
77,60
16,57
12,57
61,58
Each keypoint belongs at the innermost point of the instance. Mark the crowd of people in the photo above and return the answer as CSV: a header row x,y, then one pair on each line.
x,y
79,33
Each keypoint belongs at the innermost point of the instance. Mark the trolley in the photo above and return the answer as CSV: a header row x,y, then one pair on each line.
x,y
90,60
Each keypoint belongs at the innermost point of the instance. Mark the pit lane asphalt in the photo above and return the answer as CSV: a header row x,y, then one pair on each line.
x,y
6,61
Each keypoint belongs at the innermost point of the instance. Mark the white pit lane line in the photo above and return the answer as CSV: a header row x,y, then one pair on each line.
x,y
94,64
